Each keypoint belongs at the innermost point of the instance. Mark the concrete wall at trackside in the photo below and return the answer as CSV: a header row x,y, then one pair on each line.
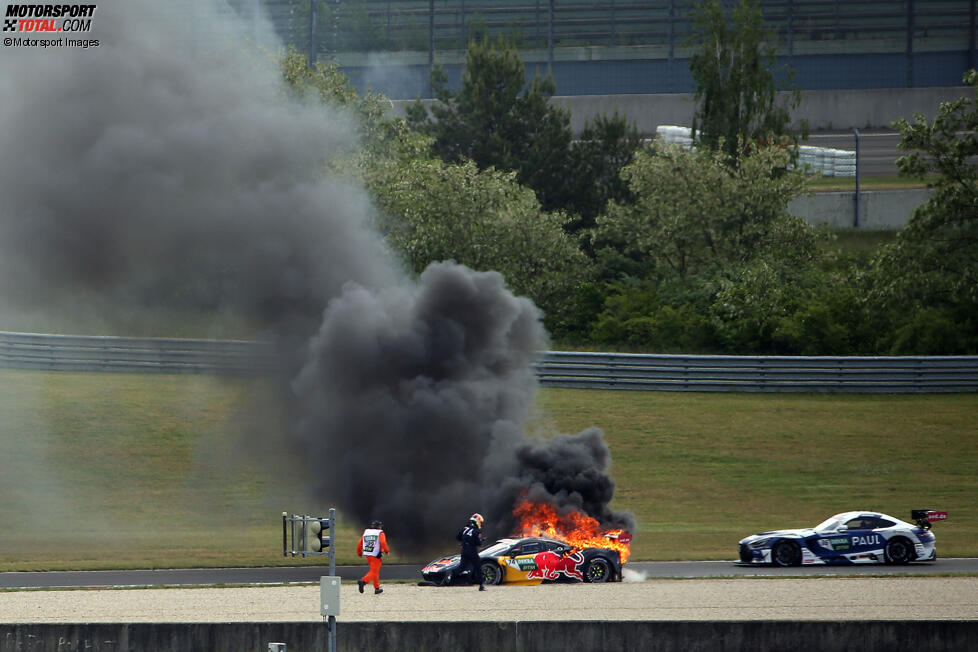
x,y
826,110
530,636
885,210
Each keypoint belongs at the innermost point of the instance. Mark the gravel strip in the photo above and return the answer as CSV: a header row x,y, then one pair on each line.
x,y
920,598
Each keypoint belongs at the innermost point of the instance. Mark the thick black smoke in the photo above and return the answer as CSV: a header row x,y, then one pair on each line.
x,y
419,394
146,173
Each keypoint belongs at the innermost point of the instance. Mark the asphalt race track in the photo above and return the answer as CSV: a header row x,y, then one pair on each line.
x,y
311,574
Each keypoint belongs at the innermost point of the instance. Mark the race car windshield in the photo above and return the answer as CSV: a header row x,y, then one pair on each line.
x,y
828,524
497,548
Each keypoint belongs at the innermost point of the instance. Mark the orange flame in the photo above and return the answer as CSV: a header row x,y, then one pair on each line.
x,y
579,530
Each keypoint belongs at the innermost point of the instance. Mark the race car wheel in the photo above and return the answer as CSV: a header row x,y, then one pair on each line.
x,y
898,551
597,570
491,574
786,553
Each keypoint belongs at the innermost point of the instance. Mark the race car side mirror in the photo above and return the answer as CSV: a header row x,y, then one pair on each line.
x,y
843,527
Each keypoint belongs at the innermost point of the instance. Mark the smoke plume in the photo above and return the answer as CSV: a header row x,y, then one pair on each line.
x,y
153,172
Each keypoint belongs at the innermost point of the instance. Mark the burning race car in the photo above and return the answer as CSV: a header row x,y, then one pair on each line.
x,y
848,538
531,560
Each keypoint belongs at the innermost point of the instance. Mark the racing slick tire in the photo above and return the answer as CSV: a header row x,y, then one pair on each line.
x,y
491,573
786,553
898,551
597,570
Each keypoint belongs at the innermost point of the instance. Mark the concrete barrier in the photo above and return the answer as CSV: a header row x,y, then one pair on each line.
x,y
879,210
828,110
532,636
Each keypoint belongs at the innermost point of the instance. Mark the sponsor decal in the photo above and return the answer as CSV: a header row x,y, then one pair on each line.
x,y
525,563
868,540
837,543
550,566
369,542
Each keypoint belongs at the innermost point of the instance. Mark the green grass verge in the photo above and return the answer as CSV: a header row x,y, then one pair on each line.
x,y
146,471
701,471
848,184
857,243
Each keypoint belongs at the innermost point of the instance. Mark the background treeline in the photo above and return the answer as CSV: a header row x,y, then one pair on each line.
x,y
627,244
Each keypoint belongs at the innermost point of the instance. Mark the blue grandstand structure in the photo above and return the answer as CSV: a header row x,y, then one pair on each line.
x,y
606,47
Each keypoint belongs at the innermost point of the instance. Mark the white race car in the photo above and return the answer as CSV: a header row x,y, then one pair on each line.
x,y
848,538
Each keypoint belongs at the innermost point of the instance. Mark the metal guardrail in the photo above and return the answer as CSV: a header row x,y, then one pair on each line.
x,y
699,373
134,354
721,373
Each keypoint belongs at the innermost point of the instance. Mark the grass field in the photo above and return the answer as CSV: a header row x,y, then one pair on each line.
x,y
848,184
139,471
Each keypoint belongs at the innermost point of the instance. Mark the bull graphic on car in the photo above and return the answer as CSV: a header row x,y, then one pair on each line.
x,y
549,566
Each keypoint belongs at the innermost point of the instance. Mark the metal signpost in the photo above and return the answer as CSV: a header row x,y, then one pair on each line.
x,y
855,219
315,535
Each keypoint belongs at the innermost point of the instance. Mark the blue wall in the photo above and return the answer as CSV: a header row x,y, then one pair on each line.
x,y
652,76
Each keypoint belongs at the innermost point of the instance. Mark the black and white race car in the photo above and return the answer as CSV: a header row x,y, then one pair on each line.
x,y
848,538
529,560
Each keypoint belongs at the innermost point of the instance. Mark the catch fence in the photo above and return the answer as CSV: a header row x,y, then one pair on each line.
x,y
603,47
619,371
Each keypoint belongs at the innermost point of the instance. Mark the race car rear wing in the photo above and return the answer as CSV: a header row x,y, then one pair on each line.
x,y
622,536
925,517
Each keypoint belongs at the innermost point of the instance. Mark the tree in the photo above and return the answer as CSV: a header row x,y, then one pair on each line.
x,y
932,267
483,219
736,92
379,135
604,147
435,211
498,120
694,213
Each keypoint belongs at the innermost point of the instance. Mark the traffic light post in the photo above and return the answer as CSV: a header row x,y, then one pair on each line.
x,y
313,535
309,535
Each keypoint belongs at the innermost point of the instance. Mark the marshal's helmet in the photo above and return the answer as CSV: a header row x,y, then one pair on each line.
x,y
476,519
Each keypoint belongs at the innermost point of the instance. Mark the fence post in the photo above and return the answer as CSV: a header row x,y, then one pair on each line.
x,y
313,16
855,219
465,41
672,47
431,44
614,30
791,31
550,35
910,30
971,36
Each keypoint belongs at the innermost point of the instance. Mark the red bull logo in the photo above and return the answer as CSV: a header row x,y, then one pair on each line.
x,y
550,566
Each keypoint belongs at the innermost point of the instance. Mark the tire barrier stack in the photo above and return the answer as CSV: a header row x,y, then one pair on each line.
x,y
825,161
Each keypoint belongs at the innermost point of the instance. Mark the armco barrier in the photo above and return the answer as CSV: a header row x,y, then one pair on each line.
x,y
134,354
724,373
700,373
530,636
